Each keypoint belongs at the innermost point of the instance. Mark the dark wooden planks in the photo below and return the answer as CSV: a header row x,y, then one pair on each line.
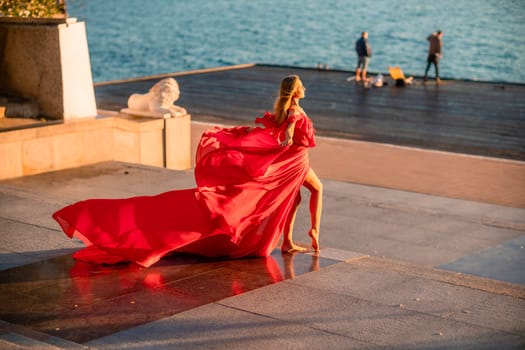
x,y
459,116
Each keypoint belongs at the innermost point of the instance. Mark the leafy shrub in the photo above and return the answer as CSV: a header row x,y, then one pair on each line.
x,y
32,8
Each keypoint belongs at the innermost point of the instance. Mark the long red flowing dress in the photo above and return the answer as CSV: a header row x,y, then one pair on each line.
x,y
247,184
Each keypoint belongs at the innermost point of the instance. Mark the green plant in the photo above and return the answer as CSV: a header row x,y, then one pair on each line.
x,y
32,8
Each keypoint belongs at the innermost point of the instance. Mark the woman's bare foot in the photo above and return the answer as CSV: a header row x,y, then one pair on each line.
x,y
314,235
292,248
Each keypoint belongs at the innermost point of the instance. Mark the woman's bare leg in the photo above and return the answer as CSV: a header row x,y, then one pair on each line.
x,y
315,187
288,245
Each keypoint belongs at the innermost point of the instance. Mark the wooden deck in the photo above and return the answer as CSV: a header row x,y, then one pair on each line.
x,y
486,119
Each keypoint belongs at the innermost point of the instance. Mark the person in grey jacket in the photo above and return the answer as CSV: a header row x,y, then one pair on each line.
x,y
364,52
434,53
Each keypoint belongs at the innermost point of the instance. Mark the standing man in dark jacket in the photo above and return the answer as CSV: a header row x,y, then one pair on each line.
x,y
434,52
364,52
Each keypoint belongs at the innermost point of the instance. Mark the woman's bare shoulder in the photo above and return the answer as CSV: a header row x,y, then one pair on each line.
x,y
295,111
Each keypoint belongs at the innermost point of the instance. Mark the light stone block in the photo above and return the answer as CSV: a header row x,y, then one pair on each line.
x,y
126,146
11,156
97,146
178,143
37,155
11,160
139,140
67,151
151,148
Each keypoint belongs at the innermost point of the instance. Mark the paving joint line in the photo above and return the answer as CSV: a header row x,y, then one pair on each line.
x,y
290,322
445,276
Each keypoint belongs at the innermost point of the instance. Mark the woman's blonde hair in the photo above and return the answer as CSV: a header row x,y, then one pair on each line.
x,y
289,86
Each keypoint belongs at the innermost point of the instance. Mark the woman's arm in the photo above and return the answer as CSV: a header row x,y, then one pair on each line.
x,y
288,135
288,138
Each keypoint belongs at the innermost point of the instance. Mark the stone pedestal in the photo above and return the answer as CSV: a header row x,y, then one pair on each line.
x,y
178,142
47,61
176,137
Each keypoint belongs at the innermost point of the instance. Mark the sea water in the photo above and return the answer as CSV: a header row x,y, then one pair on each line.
x,y
483,39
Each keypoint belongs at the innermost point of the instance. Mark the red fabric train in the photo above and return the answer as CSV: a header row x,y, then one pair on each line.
x,y
246,186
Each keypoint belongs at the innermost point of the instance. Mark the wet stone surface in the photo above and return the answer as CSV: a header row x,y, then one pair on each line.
x,y
80,302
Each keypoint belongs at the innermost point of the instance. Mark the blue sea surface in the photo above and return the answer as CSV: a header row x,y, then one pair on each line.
x,y
483,39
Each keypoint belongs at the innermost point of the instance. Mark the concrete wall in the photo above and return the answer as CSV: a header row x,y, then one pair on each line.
x,y
47,61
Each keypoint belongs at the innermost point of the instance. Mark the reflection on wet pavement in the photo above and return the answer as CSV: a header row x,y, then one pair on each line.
x,y
81,302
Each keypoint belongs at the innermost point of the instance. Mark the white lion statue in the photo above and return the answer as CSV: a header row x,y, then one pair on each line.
x,y
159,99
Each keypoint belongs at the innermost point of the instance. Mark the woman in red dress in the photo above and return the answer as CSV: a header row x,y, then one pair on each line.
x,y
247,194
287,110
